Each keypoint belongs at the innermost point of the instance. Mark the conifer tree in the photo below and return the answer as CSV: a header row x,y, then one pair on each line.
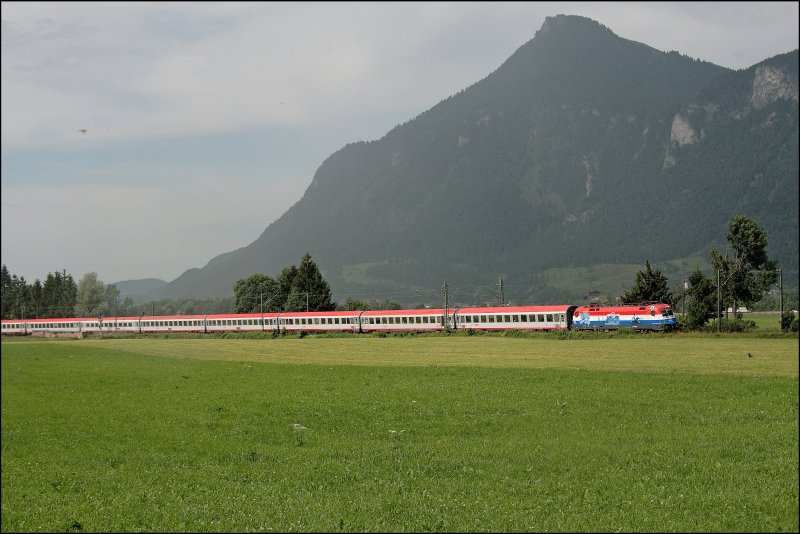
x,y
309,291
651,285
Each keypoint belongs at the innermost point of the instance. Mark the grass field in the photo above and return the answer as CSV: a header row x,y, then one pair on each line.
x,y
426,433
764,320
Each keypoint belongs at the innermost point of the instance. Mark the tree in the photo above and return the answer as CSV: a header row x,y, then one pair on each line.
x,y
59,295
285,281
650,285
36,297
5,293
310,291
354,304
257,293
744,278
702,300
16,296
91,300
112,300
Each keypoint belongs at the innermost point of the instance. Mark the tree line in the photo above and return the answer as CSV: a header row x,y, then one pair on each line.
x,y
743,274
60,296
742,277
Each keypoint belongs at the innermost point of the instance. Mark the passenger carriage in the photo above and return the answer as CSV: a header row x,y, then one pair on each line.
x,y
322,321
556,317
421,320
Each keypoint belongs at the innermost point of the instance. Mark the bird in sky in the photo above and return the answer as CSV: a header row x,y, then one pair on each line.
x,y
82,130
749,355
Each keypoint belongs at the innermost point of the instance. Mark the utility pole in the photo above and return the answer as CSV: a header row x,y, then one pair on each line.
x,y
445,320
780,283
501,298
718,317
685,289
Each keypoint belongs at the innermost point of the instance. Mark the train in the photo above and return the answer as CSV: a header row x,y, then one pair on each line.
x,y
646,317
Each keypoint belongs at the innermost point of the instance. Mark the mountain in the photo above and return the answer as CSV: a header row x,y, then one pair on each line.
x,y
582,149
139,290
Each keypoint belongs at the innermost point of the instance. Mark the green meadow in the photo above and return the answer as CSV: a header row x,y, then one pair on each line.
x,y
418,433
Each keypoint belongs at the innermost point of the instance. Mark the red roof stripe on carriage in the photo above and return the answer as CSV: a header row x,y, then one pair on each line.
x,y
557,308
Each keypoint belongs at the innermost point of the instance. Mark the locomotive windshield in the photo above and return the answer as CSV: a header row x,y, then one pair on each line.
x,y
666,312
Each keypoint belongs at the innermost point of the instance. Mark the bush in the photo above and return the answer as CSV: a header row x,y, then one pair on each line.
x,y
734,325
789,321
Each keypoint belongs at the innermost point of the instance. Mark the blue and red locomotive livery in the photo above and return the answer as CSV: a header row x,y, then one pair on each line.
x,y
651,316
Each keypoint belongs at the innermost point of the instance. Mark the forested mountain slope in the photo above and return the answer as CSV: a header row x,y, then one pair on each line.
x,y
583,148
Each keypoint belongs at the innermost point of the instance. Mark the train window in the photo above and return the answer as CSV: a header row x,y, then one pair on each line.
x,y
515,318
549,317
507,318
491,318
540,317
405,320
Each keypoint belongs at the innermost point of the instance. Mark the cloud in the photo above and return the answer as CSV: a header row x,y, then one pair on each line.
x,y
206,121
152,69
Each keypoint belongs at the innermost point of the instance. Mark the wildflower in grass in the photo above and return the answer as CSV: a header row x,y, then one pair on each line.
x,y
299,434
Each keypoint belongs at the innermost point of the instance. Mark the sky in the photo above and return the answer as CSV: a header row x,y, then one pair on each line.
x,y
143,139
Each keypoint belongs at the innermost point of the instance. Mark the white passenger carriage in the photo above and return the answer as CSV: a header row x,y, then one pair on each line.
x,y
321,321
422,320
558,317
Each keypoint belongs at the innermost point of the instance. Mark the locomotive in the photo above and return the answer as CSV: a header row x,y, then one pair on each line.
x,y
653,316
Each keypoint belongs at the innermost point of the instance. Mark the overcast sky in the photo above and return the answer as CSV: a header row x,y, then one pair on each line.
x,y
143,139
